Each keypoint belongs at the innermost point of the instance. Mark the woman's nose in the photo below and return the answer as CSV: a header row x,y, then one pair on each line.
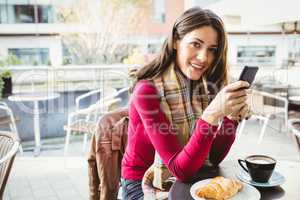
x,y
202,55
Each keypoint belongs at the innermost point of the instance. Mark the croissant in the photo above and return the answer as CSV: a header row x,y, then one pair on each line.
x,y
220,188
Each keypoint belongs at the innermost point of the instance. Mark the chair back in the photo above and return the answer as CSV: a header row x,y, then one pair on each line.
x,y
294,125
263,103
256,102
8,148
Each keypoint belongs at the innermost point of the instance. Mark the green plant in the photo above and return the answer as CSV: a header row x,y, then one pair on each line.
x,y
7,61
35,63
5,72
1,87
12,60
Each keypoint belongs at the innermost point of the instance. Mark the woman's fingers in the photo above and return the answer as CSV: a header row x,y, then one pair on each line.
x,y
244,111
237,100
237,93
237,107
236,86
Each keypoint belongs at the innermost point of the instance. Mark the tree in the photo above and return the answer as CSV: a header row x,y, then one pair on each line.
x,y
105,25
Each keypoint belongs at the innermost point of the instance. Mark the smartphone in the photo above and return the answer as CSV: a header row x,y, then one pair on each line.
x,y
248,74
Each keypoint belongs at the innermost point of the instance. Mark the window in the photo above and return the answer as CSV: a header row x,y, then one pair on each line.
x,y
256,55
293,48
23,13
68,58
31,56
45,14
159,11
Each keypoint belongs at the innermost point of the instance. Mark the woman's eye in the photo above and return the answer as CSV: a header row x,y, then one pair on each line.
x,y
213,50
196,44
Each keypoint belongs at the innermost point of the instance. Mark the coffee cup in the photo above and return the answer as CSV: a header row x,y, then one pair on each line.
x,y
259,167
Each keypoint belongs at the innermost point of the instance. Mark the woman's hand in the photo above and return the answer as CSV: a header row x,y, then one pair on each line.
x,y
243,113
231,99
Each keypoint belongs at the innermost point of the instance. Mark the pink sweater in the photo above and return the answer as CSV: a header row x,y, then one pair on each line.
x,y
145,135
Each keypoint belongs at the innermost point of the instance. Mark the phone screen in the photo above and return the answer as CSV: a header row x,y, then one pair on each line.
x,y
248,74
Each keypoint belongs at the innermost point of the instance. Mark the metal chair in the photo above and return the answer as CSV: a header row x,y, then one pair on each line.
x,y
9,145
294,125
264,111
84,120
8,119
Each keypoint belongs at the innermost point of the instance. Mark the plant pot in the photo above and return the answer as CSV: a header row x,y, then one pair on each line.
x,y
7,87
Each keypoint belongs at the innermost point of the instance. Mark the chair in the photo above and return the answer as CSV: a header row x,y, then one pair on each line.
x,y
7,119
84,120
9,145
264,107
294,125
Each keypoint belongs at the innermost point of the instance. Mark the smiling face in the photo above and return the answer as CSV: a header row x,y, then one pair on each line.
x,y
196,51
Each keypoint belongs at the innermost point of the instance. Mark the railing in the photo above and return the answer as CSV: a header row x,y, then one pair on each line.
x,y
68,78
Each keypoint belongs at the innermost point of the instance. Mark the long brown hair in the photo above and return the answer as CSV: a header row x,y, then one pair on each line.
x,y
190,20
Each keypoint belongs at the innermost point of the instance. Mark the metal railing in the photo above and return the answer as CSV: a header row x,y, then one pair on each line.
x,y
68,78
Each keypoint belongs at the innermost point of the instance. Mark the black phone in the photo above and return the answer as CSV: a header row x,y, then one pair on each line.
x,y
248,74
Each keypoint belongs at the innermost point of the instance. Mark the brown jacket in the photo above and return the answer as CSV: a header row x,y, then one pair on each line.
x,y
104,161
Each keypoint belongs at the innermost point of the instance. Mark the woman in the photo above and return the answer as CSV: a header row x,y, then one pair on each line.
x,y
171,115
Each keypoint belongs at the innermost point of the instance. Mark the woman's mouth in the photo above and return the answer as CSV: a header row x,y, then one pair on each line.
x,y
197,66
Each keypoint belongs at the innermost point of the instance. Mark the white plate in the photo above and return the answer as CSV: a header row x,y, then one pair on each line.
x,y
248,192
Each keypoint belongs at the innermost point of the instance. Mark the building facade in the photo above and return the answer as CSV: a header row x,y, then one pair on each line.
x,y
31,31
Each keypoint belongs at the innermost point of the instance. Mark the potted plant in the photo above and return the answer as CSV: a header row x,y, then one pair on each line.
x,y
7,83
6,74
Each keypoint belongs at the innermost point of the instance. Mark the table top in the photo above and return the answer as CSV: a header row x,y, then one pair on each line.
x,y
35,96
288,190
295,98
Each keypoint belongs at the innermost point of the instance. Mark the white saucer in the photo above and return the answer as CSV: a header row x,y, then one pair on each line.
x,y
275,180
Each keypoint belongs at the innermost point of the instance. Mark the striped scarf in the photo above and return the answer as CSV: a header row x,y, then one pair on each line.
x,y
183,101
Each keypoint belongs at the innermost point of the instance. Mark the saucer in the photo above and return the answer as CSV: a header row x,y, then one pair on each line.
x,y
275,180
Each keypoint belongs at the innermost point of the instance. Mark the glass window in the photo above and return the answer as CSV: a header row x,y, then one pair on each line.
x,y
159,11
45,14
68,58
24,13
3,14
31,56
256,55
7,14
293,47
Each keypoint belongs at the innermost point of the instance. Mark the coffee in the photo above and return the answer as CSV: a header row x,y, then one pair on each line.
x,y
261,160
259,167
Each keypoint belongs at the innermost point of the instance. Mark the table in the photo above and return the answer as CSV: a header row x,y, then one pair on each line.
x,y
288,190
35,98
294,99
